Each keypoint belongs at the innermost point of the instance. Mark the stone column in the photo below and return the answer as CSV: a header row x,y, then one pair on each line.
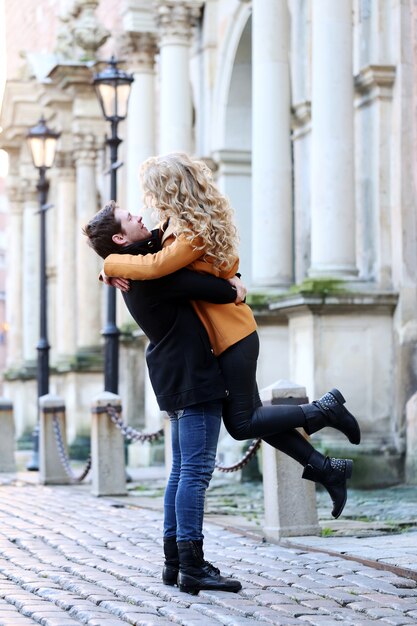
x,y
332,142
88,288
140,49
30,271
175,21
301,134
66,237
374,183
234,180
376,70
14,278
271,145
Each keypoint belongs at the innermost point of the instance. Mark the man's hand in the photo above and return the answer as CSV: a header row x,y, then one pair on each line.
x,y
240,288
120,283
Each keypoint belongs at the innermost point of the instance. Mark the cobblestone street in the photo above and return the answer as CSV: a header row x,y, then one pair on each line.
x,y
69,558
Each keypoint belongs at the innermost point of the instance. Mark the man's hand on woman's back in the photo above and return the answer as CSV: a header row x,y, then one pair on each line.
x,y
240,289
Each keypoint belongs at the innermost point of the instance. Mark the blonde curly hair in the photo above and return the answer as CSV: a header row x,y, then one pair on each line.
x,y
182,188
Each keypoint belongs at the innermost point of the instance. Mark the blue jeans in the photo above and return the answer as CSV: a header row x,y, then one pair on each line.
x,y
194,433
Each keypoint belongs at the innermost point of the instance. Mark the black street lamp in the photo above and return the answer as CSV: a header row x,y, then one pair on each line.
x,y
112,87
42,142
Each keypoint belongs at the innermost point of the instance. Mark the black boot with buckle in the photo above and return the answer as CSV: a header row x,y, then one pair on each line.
x,y
196,574
329,411
172,563
332,474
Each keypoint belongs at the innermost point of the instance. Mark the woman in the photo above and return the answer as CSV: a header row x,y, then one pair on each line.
x,y
199,234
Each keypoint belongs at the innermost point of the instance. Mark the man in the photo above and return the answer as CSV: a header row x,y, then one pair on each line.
x,y
187,382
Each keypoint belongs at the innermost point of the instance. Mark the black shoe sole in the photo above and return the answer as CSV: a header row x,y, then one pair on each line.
x,y
195,590
193,586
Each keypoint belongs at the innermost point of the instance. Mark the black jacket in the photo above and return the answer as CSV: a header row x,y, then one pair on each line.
x,y
182,367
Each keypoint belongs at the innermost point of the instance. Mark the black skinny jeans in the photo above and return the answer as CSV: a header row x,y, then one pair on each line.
x,y
244,415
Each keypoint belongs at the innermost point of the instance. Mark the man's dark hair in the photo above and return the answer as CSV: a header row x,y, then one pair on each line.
x,y
101,228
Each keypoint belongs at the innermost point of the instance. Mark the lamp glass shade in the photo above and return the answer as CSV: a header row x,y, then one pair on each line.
x,y
113,99
123,93
43,151
113,88
107,97
42,143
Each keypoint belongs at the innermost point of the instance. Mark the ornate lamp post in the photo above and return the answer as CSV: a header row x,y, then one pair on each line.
x,y
42,143
112,87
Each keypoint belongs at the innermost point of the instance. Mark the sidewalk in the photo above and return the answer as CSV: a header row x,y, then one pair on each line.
x,y
68,558
377,527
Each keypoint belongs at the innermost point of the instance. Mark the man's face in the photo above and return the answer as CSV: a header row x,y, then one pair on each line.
x,y
132,228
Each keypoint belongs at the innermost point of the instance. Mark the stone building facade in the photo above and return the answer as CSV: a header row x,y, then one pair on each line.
x,y
307,112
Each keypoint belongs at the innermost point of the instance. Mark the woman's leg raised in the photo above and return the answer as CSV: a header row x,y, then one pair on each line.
x,y
246,418
243,414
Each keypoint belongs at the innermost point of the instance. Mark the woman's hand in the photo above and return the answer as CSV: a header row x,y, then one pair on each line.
x,y
240,289
120,283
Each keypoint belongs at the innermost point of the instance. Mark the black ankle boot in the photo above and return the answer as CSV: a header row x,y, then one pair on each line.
x,y
332,474
172,563
196,573
329,411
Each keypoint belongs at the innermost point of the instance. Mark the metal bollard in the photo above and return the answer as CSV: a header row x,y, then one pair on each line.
x,y
290,502
51,470
7,437
107,449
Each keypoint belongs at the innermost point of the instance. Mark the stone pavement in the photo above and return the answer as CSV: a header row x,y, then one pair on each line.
x,y
68,558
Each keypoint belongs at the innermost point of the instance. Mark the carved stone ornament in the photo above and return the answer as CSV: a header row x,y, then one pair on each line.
x,y
87,32
176,18
64,160
139,48
14,197
64,47
85,149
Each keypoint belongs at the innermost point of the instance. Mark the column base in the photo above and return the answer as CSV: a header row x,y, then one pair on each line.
x,y
344,272
373,468
345,340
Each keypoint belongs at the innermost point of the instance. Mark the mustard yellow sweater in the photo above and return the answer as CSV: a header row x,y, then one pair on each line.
x,y
225,324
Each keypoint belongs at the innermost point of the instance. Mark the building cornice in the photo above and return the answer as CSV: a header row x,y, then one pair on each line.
x,y
374,82
359,302
21,109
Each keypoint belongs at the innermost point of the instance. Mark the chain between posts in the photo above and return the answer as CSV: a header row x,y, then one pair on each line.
x,y
129,432
250,453
63,454
135,435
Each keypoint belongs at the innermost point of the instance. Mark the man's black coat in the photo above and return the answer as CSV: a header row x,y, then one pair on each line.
x,y
182,367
